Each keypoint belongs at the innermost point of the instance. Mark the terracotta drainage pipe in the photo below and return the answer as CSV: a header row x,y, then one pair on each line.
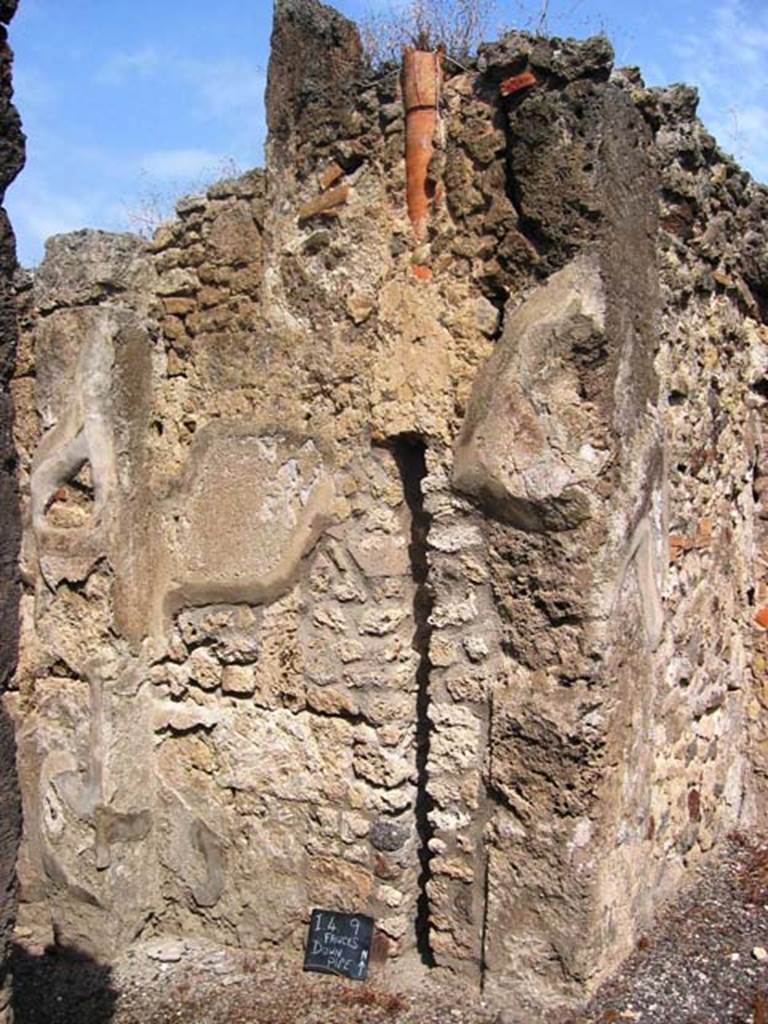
x,y
421,94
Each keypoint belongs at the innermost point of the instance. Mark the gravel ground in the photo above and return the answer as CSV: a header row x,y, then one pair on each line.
x,y
706,961
701,964
169,982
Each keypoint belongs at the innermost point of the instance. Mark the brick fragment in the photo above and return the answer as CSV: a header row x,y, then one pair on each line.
x,y
325,203
518,82
330,176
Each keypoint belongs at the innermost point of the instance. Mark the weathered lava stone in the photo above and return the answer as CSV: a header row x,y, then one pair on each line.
x,y
388,835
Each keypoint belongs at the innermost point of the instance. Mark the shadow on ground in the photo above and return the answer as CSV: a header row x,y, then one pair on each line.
x,y
61,986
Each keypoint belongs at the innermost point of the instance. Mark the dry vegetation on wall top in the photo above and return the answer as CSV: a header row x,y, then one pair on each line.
x,y
456,25
400,559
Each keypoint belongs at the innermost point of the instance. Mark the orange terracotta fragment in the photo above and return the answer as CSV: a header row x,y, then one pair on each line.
x,y
517,82
330,176
325,203
762,618
422,273
679,544
421,94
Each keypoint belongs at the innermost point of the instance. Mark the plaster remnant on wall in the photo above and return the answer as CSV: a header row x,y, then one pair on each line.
x,y
250,550
530,393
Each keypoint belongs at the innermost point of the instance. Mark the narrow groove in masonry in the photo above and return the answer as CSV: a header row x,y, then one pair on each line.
x,y
410,455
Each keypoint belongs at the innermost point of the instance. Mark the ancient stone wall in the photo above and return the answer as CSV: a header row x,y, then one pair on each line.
x,y
11,162
408,576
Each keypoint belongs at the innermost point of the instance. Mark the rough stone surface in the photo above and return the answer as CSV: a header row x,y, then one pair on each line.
x,y
314,71
11,162
432,596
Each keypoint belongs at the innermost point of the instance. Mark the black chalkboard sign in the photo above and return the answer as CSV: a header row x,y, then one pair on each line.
x,y
339,944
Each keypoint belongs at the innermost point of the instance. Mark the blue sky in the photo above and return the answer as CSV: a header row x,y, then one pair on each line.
x,y
130,103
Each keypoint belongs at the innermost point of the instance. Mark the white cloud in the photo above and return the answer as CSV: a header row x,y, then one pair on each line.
x,y
33,91
743,131
222,85
180,163
227,86
728,60
28,11
38,210
122,68
227,90
45,218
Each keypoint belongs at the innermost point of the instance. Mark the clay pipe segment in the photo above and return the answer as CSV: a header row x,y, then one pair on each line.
x,y
421,94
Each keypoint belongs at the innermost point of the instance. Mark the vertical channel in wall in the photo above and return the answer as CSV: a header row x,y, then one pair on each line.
x,y
410,455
